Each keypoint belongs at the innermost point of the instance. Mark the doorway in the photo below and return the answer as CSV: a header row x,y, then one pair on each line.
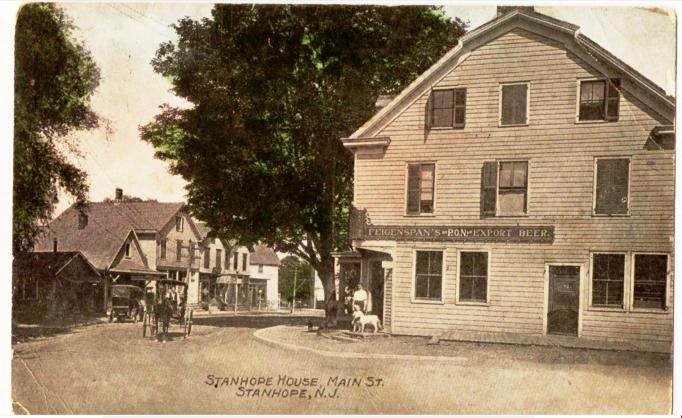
x,y
376,288
563,304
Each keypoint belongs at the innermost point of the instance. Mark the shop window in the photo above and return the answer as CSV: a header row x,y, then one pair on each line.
x,y
420,188
447,108
429,275
504,188
608,278
207,258
612,184
599,100
162,249
473,276
651,277
514,104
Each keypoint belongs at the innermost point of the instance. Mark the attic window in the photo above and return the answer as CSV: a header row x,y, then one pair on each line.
x,y
179,223
82,220
127,249
447,108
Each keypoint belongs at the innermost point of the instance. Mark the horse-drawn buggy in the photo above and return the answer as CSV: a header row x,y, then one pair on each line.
x,y
167,306
125,303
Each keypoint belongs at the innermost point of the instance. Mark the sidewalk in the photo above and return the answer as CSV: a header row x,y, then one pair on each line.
x,y
555,341
199,312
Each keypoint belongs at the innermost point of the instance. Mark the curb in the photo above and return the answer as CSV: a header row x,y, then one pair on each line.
x,y
346,355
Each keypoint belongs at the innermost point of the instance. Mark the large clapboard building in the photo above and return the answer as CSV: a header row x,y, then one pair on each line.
x,y
525,184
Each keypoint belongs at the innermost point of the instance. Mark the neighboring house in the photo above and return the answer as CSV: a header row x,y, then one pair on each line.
x,y
61,281
524,184
222,270
264,267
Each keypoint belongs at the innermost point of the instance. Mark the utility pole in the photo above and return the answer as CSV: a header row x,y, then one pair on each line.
x,y
293,302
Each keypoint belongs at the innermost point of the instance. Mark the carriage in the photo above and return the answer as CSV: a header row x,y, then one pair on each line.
x,y
125,303
167,306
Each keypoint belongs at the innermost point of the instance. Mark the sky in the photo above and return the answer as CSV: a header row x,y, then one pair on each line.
x,y
123,38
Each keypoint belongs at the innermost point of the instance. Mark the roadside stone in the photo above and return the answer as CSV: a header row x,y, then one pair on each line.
x,y
433,341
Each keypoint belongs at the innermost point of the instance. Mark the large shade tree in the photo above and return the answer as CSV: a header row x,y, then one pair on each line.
x,y
274,89
55,77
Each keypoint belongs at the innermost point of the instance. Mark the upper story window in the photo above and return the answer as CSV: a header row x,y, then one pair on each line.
x,y
599,100
227,259
178,250
447,108
260,268
162,249
235,263
218,258
504,188
82,220
179,223
428,280
612,182
207,258
127,249
514,104
420,188
245,261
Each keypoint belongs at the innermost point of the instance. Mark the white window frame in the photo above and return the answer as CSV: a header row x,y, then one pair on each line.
x,y
497,191
626,283
487,250
631,301
181,226
126,249
407,188
499,109
594,184
579,81
413,298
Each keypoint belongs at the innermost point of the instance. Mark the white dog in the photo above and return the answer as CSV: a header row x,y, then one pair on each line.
x,y
360,320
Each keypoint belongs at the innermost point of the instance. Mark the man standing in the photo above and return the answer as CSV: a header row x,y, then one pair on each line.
x,y
360,298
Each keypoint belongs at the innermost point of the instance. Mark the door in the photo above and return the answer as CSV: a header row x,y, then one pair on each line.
x,y
376,288
564,300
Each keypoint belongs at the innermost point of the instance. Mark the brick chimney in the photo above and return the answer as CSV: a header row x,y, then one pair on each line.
x,y
118,195
503,10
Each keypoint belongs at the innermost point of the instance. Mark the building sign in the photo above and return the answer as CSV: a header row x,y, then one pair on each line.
x,y
361,228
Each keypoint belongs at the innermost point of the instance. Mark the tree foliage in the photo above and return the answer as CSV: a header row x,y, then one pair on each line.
x,y
274,89
297,274
55,77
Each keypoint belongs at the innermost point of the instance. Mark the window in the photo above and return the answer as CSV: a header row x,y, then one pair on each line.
x,y
447,108
599,100
260,268
651,276
473,276
178,250
504,188
611,189
191,251
207,258
82,220
235,263
245,261
218,258
428,281
608,278
162,249
514,103
420,188
179,223
127,249
227,259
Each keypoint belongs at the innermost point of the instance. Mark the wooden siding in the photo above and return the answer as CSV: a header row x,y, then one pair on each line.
x,y
561,155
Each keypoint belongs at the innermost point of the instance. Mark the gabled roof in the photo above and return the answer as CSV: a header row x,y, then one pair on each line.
x,y
109,224
567,32
264,255
49,264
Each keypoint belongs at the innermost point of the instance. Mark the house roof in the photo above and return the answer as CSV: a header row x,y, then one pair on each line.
x,y
130,266
109,224
49,264
264,255
558,28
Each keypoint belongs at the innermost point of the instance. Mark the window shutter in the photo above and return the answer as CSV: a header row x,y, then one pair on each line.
x,y
428,112
612,99
488,188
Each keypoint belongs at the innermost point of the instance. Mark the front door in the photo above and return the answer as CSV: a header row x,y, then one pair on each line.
x,y
564,300
376,288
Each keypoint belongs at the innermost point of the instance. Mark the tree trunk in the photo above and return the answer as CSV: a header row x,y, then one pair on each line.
x,y
327,277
